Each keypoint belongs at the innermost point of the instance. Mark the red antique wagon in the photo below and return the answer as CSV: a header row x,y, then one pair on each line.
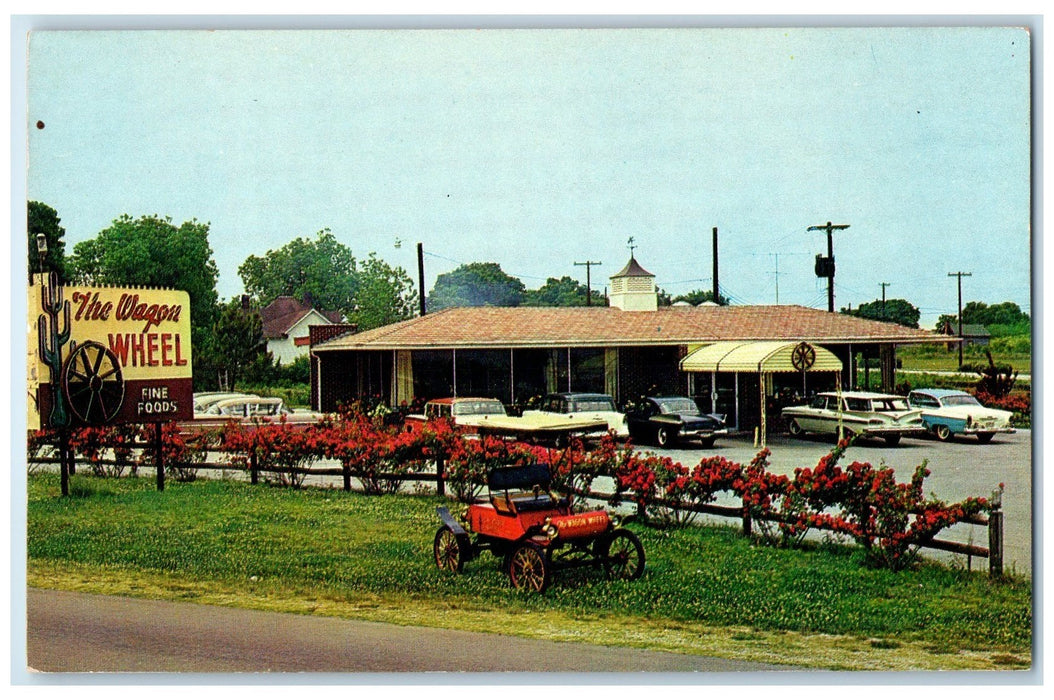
x,y
535,532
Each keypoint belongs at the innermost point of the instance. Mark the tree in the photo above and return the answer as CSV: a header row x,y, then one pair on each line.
x,y
1006,314
43,219
238,347
892,310
323,268
560,292
385,294
700,296
476,284
152,252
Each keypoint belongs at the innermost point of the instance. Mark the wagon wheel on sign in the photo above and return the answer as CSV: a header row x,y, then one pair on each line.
x,y
803,356
93,384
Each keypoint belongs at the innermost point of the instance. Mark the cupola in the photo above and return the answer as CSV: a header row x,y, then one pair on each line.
x,y
633,288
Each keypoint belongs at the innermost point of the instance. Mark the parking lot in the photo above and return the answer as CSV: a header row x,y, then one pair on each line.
x,y
958,469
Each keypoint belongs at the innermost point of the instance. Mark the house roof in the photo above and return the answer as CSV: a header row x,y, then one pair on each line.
x,y
601,326
285,312
975,330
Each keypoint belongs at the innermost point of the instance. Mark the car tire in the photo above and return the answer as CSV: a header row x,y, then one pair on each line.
x,y
664,437
795,428
985,438
943,432
706,443
892,440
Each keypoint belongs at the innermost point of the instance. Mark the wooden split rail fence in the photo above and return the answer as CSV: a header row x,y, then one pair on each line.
x,y
993,522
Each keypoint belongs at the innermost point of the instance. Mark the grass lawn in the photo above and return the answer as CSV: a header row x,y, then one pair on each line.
x,y
705,590
936,358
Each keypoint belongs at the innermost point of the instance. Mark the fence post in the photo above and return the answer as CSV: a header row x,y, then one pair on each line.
x,y
159,457
254,476
440,477
747,525
995,543
64,461
345,469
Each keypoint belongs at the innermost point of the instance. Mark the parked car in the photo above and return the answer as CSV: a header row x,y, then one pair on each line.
x,y
862,413
576,406
466,411
947,412
216,408
667,419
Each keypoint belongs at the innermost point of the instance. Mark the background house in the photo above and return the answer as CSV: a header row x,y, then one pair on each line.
x,y
286,324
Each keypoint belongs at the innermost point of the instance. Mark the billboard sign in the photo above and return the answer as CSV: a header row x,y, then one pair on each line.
x,y
105,355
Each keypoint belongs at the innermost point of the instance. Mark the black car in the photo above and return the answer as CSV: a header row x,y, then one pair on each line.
x,y
667,419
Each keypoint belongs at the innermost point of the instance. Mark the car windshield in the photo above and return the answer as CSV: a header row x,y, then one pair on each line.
x,y
479,408
678,406
960,400
594,405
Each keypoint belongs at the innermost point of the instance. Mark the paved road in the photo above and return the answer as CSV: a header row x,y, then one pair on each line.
x,y
79,632
958,469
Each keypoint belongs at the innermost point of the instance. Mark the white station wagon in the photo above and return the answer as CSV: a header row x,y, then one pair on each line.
x,y
862,413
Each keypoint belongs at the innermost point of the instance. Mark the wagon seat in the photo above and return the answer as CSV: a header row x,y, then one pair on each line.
x,y
526,489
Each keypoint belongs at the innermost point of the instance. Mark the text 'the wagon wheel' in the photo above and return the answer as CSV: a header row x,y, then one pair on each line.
x,y
803,356
93,383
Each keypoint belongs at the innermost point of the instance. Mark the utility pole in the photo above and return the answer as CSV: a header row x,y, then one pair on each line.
x,y
960,275
884,285
589,286
825,266
421,276
717,289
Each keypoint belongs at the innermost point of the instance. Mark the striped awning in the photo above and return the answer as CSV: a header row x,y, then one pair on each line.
x,y
761,356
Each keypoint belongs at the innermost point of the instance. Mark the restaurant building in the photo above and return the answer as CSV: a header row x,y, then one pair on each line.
x,y
731,359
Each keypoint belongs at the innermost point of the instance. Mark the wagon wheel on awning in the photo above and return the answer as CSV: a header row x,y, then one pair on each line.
x,y
93,383
803,356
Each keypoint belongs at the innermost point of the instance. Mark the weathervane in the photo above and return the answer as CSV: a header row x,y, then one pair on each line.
x,y
631,246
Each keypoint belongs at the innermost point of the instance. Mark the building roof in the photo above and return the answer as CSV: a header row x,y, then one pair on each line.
x,y
285,312
632,269
975,330
601,326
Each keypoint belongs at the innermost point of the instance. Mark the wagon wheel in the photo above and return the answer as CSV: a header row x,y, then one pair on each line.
x,y
449,550
529,568
93,384
622,555
803,356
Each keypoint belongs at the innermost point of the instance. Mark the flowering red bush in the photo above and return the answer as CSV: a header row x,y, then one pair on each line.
x,y
280,450
93,443
1018,403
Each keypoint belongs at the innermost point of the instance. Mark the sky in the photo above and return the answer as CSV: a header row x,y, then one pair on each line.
x,y
537,149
